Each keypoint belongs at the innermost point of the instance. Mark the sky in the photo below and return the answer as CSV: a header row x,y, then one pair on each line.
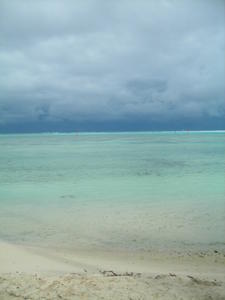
x,y
98,65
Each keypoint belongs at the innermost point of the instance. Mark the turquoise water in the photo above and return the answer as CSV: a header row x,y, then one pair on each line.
x,y
113,190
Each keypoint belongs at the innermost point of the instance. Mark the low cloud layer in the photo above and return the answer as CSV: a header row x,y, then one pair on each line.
x,y
111,61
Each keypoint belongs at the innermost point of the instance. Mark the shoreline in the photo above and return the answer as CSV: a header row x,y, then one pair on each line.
x,y
32,259
36,272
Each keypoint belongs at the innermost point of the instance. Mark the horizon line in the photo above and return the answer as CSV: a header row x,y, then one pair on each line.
x,y
112,132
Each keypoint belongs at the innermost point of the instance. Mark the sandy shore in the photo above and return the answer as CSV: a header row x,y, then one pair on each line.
x,y
32,273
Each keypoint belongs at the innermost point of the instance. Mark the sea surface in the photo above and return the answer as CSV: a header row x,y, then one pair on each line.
x,y
136,191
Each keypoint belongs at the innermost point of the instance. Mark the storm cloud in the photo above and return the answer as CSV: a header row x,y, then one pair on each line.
x,y
69,63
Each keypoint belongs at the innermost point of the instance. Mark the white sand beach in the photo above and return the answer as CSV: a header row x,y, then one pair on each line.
x,y
32,273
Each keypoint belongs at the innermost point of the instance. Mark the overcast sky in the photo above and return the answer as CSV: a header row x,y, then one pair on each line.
x,y
111,64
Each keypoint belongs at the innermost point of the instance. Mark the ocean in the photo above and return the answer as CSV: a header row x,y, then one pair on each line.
x,y
123,191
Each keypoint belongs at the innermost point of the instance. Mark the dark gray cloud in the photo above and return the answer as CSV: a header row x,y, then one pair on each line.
x,y
111,61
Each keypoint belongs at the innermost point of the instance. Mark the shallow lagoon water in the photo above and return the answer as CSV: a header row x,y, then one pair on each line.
x,y
137,191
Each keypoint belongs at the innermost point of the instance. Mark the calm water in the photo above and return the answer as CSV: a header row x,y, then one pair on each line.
x,y
113,190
